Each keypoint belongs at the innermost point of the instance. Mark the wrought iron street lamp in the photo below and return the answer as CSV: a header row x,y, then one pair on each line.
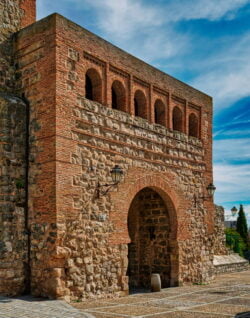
x,y
116,175
210,190
234,211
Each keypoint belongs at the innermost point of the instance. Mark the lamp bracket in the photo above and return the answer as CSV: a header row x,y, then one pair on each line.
x,y
198,198
103,189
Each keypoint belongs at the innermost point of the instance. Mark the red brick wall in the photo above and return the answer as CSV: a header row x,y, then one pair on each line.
x,y
29,12
114,64
35,57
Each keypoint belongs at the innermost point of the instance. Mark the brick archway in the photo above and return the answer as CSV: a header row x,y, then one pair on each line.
x,y
122,199
135,181
150,248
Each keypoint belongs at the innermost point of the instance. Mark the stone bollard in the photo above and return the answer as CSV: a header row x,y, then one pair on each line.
x,y
155,282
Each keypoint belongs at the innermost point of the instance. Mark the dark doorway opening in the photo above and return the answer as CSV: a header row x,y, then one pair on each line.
x,y
149,250
88,88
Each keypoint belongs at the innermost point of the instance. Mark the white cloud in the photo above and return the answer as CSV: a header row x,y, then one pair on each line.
x,y
232,149
147,30
137,27
157,45
125,17
226,74
237,133
232,181
204,9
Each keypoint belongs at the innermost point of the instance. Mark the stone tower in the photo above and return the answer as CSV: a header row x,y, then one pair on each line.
x,y
72,108
14,15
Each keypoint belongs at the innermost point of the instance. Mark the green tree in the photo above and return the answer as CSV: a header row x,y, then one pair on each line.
x,y
235,242
241,226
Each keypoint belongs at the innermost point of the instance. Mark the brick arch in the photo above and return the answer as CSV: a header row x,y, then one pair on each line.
x,y
177,118
159,111
123,197
193,125
167,200
118,94
93,85
151,248
140,104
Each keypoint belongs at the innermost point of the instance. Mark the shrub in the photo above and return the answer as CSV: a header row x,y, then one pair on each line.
x,y
235,242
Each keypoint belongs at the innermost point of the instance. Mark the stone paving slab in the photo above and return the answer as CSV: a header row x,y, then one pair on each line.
x,y
29,307
227,296
131,310
237,301
221,309
184,314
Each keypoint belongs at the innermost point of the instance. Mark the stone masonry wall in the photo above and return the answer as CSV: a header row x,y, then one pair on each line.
x,y
95,230
231,268
13,235
14,14
10,19
92,223
219,232
232,262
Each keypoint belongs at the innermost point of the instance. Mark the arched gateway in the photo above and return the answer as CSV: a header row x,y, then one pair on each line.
x,y
149,230
148,212
152,247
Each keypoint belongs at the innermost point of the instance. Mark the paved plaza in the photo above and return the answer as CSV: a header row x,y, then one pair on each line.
x,y
227,296
29,307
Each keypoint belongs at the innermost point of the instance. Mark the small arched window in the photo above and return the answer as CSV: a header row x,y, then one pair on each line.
x,y
177,119
140,105
159,112
93,85
118,96
193,126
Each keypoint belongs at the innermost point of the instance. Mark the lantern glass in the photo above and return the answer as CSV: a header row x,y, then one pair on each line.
x,y
211,189
116,174
234,211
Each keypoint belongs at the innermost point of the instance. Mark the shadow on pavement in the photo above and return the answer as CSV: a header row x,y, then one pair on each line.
x,y
4,300
31,298
243,315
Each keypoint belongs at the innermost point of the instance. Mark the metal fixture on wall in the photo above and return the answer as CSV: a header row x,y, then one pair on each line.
x,y
210,190
234,211
116,175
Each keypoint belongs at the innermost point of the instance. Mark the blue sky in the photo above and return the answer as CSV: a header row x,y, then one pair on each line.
x,y
205,43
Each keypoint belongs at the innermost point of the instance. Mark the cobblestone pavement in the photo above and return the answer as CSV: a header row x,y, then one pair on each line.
x,y
228,296
29,307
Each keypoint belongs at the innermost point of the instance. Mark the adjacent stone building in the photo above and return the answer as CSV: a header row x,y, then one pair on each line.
x,y
72,107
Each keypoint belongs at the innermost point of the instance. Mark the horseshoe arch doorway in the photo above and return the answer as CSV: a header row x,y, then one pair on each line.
x,y
152,248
